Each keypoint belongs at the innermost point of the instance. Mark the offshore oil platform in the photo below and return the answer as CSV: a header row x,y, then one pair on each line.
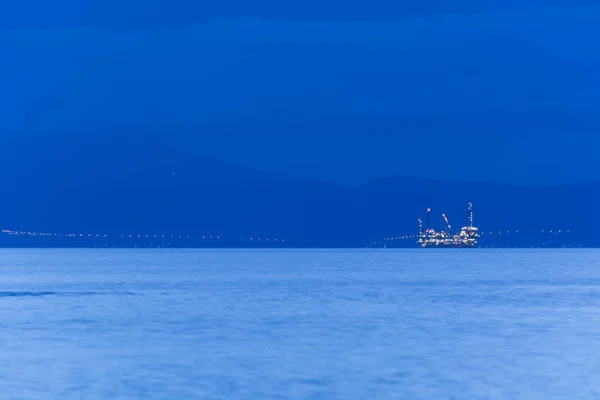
x,y
466,237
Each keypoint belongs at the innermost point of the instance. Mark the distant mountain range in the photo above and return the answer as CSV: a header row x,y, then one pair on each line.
x,y
117,185
149,13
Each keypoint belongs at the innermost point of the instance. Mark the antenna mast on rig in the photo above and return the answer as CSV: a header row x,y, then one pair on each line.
x,y
428,218
470,215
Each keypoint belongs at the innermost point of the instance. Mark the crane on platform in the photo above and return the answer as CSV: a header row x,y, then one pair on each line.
x,y
448,226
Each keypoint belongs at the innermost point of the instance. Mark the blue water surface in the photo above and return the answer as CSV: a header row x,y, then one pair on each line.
x,y
356,324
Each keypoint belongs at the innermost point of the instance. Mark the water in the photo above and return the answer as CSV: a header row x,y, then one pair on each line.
x,y
161,324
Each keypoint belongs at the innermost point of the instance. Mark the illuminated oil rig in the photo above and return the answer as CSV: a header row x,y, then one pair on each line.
x,y
467,237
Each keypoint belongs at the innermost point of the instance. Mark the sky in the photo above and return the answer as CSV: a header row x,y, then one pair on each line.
x,y
507,91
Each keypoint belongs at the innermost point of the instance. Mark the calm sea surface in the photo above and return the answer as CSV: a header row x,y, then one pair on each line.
x,y
169,324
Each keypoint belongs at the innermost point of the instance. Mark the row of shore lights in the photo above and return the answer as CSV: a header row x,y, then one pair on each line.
x,y
132,236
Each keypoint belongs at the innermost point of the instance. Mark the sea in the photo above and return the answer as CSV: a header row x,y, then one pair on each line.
x,y
299,324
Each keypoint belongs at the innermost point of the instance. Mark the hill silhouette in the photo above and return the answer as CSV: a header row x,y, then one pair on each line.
x,y
116,185
157,13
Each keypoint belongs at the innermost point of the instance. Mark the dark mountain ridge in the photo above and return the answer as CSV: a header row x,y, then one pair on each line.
x,y
118,185
132,14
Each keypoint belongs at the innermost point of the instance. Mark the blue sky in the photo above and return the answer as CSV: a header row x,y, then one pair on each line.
x,y
328,90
